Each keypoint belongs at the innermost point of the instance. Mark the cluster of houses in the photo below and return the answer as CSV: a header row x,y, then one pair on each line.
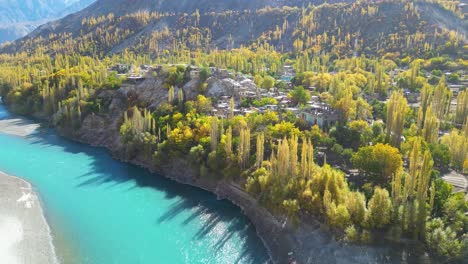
x,y
242,87
315,112
130,72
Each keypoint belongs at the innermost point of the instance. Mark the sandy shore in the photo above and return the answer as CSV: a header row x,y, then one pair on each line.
x,y
17,126
24,233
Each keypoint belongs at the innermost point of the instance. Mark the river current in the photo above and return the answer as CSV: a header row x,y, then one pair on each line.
x,y
103,211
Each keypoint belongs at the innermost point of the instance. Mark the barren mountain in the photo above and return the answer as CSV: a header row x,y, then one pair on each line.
x,y
19,17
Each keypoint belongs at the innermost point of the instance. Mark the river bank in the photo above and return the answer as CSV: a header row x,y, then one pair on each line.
x,y
25,234
91,201
18,126
311,242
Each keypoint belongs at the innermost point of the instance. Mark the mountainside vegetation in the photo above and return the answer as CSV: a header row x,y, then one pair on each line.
x,y
394,77
395,27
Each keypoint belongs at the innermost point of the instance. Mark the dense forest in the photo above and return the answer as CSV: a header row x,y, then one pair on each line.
x,y
399,146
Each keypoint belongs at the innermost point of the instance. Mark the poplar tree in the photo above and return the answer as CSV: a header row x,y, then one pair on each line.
x,y
293,147
244,147
466,127
304,153
283,158
397,108
441,99
231,108
228,145
414,73
214,134
180,98
415,190
424,176
457,141
310,158
260,150
426,99
461,112
430,131
380,209
171,95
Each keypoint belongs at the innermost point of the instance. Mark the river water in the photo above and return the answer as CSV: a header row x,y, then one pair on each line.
x,y
102,211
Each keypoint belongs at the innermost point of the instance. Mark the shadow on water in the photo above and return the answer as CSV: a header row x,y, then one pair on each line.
x,y
198,203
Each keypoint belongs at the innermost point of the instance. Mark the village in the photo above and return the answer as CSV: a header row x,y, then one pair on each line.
x,y
249,98
237,93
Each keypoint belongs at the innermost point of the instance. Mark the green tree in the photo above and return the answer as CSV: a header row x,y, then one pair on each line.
x,y
268,82
380,209
205,73
299,95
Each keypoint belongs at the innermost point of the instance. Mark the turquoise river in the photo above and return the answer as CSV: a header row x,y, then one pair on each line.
x,y
102,211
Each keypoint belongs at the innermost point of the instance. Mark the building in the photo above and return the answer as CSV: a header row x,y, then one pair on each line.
x,y
455,88
320,114
220,73
288,74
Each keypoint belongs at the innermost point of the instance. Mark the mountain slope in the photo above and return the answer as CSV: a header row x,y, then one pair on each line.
x,y
151,27
19,17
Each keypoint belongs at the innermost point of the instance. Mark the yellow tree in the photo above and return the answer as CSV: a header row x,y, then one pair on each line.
x,y
462,107
381,162
441,99
260,150
214,133
430,131
293,147
426,99
457,142
397,108
283,158
244,147
415,189
228,144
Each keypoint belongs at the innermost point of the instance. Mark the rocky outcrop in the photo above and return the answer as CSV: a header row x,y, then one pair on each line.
x,y
275,237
